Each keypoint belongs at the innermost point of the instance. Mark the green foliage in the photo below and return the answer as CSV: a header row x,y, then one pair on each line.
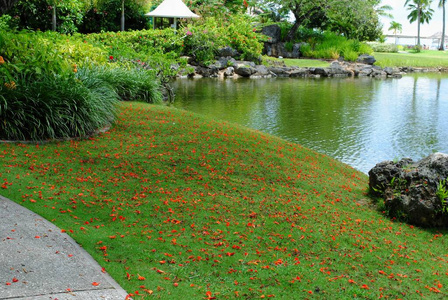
x,y
217,8
332,46
442,194
289,46
106,16
7,22
417,49
37,15
135,84
383,47
203,38
138,45
48,106
58,86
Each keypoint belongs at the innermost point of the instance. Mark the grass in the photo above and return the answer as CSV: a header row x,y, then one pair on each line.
x,y
178,206
424,59
302,62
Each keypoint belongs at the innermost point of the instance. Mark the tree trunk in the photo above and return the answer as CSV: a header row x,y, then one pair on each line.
x,y
122,15
292,32
53,18
418,26
300,18
442,43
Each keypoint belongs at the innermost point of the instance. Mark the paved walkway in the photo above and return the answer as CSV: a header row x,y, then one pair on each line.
x,y
39,262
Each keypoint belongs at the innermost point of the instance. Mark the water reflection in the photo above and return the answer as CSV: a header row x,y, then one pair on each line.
x,y
359,121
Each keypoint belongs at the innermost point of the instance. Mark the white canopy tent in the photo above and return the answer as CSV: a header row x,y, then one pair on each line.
x,y
172,9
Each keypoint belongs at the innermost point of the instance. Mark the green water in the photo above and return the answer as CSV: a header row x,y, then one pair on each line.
x,y
360,121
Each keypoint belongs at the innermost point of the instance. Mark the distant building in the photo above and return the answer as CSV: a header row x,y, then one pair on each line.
x,y
431,42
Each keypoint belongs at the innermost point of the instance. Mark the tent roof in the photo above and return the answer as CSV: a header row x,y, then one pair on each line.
x,y
437,35
172,9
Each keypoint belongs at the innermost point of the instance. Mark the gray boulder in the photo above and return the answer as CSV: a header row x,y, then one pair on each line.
x,y
261,71
229,72
228,51
415,191
273,32
320,71
366,59
279,50
280,71
299,72
337,70
245,70
207,72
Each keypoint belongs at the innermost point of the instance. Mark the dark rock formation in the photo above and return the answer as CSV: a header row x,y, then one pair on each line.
x,y
280,50
228,51
245,69
279,69
416,191
273,32
366,59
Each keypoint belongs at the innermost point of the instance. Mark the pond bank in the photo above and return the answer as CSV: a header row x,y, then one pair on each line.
x,y
228,67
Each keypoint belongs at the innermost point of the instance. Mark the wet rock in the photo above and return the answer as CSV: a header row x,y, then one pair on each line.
x,y
280,71
414,190
261,70
245,70
366,59
229,72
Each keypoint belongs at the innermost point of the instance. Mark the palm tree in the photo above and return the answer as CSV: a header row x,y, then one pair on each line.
x,y
395,27
442,5
420,12
383,11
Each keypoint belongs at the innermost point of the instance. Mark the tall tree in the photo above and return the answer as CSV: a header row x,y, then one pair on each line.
x,y
343,16
420,12
122,15
383,10
395,27
5,5
442,43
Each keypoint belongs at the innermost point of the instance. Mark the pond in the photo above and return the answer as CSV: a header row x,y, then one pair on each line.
x,y
359,121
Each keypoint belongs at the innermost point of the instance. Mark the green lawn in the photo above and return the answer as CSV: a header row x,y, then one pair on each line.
x,y
426,58
302,62
178,206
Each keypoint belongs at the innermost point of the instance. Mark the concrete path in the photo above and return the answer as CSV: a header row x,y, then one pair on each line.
x,y
39,262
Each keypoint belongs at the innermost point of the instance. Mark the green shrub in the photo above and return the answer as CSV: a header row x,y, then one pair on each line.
x,y
137,44
48,107
383,47
130,85
44,95
204,38
332,46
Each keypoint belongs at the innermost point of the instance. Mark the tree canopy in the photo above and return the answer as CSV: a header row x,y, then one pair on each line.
x,y
352,18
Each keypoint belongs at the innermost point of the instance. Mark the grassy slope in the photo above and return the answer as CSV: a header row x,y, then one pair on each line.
x,y
426,58
183,207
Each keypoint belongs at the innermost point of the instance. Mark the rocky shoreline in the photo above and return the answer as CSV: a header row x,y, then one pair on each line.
x,y
228,67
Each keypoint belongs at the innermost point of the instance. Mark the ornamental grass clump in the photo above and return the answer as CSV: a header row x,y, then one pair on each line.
x,y
43,95
135,84
51,107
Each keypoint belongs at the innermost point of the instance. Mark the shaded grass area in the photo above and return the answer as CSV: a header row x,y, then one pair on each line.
x,y
178,206
426,58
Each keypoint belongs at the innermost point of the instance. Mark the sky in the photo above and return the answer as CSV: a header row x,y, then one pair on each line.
x,y
400,14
